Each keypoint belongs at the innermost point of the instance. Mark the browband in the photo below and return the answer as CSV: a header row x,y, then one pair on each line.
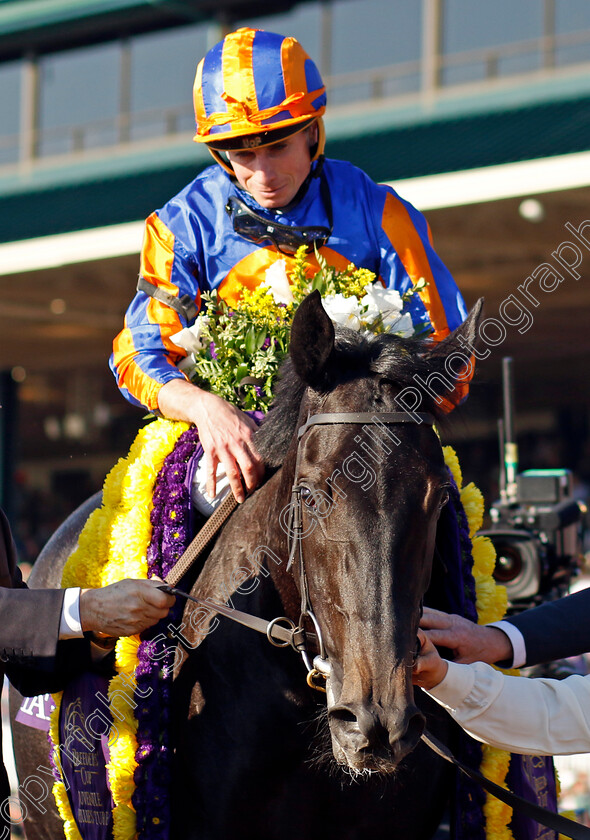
x,y
384,417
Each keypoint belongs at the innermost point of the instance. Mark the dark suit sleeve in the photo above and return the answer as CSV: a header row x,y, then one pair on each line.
x,y
556,629
30,653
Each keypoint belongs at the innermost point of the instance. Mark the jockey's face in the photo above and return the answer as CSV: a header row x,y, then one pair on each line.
x,y
273,174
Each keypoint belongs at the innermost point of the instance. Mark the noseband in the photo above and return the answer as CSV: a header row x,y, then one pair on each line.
x,y
319,669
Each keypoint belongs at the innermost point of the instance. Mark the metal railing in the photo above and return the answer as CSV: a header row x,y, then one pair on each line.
x,y
477,67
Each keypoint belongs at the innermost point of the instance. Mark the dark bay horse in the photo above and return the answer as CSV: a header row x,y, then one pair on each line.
x,y
343,531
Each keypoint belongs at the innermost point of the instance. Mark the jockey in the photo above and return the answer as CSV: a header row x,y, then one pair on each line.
x,y
259,101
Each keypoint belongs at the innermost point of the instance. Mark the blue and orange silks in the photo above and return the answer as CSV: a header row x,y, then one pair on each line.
x,y
190,247
255,80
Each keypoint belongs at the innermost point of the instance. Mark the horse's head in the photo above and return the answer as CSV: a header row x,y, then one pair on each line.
x,y
369,488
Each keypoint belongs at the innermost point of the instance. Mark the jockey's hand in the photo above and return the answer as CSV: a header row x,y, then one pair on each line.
x,y
124,608
469,642
430,669
225,432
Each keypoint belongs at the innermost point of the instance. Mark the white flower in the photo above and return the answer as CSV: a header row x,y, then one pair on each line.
x,y
191,338
386,305
399,324
380,301
345,311
277,281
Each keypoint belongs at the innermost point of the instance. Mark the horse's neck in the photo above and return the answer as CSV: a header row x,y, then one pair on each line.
x,y
252,547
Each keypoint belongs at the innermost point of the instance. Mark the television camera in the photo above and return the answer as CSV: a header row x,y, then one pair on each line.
x,y
536,525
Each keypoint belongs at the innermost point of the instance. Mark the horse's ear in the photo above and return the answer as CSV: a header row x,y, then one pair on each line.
x,y
312,340
452,360
464,336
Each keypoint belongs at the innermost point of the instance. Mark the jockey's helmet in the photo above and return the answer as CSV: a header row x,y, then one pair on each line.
x,y
255,88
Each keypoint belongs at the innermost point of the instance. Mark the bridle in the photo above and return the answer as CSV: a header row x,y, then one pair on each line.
x,y
283,632
318,669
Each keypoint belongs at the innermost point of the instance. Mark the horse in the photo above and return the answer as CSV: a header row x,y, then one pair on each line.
x,y
346,525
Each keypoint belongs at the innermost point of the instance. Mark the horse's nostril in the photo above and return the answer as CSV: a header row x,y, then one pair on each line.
x,y
342,714
416,725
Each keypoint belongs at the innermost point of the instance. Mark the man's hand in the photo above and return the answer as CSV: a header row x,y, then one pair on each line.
x,y
225,432
429,669
470,642
124,608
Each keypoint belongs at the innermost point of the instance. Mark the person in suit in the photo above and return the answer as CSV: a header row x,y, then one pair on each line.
x,y
553,630
540,716
46,635
521,715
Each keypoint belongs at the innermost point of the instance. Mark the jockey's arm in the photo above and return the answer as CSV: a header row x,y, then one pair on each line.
x,y
225,432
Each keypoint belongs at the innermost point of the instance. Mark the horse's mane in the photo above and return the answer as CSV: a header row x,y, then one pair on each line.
x,y
356,355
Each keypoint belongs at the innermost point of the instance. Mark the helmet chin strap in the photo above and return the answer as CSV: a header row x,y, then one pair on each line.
x,y
299,195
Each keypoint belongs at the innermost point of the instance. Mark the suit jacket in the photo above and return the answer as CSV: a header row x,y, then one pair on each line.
x,y
30,654
556,629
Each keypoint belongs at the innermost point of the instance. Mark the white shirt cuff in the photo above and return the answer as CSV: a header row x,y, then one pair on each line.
x,y
516,640
69,625
455,687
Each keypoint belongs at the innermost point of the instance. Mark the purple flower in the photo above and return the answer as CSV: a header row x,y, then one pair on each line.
x,y
170,537
212,349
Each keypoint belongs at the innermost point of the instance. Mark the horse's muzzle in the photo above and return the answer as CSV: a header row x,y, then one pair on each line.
x,y
367,737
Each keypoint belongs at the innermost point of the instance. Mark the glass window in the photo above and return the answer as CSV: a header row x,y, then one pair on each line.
x,y
478,25
572,17
370,34
10,90
365,34
302,22
79,99
162,73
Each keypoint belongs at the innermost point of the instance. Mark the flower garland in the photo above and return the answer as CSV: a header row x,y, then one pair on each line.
x,y
113,545
143,519
155,657
491,602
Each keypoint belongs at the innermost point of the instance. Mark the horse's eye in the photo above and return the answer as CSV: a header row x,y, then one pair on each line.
x,y
444,497
308,496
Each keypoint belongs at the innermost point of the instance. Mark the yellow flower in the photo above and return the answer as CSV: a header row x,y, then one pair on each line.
x,y
124,826
126,653
122,764
452,463
112,546
122,703
494,766
484,555
491,600
472,501
65,811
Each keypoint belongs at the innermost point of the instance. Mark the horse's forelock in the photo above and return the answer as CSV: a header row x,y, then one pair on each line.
x,y
396,359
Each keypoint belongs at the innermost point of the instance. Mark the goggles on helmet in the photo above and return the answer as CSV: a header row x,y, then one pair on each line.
x,y
285,238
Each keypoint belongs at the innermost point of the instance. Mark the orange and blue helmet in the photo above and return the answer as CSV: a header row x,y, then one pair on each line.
x,y
255,88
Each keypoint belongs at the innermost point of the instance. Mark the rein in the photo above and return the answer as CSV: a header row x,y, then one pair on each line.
x,y
558,823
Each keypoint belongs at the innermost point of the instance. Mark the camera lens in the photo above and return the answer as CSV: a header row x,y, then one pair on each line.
x,y
508,563
518,562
